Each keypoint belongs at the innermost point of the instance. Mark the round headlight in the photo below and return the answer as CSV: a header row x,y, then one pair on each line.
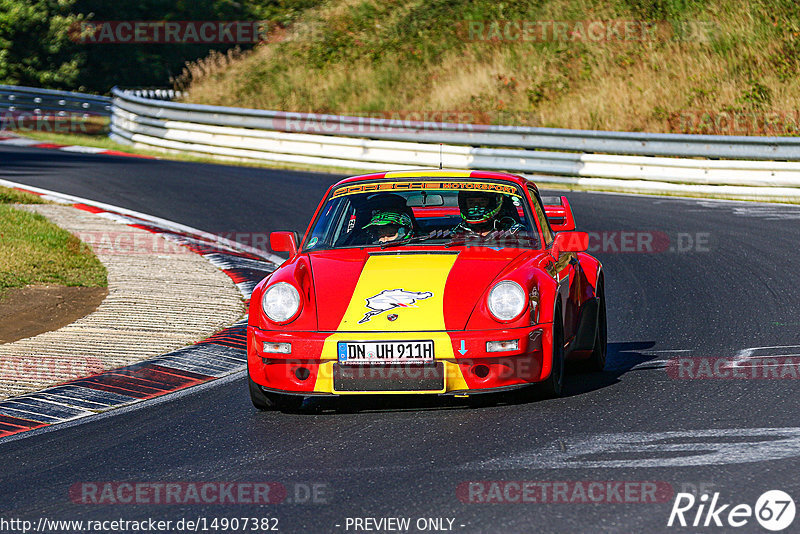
x,y
506,300
280,302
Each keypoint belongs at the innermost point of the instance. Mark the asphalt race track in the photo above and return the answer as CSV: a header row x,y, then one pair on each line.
x,y
697,280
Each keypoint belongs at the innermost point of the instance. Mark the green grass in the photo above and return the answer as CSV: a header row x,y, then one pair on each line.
x,y
35,251
98,141
104,142
14,196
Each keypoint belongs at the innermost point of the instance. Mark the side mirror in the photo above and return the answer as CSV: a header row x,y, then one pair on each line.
x,y
283,242
559,214
570,242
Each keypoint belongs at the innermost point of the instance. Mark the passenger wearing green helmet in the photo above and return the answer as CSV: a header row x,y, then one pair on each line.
x,y
387,226
482,212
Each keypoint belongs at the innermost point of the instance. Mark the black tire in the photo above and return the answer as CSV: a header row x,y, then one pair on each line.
x,y
258,398
597,361
552,387
273,401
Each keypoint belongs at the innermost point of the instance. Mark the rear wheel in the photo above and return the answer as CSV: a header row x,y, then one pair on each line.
x,y
597,360
552,387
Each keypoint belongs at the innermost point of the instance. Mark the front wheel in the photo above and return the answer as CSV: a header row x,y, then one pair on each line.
x,y
552,387
272,401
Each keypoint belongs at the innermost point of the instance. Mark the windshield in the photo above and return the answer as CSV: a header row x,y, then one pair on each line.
x,y
450,213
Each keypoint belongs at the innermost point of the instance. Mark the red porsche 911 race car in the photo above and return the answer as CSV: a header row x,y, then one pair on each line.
x,y
427,282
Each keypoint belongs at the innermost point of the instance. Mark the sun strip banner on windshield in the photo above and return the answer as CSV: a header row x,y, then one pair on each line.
x,y
370,187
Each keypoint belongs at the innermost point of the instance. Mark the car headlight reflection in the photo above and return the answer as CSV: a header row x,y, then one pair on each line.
x,y
506,300
280,302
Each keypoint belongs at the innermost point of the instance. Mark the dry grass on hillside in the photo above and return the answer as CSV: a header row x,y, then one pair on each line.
x,y
367,56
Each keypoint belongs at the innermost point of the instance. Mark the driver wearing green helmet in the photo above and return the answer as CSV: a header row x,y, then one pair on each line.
x,y
481,214
387,226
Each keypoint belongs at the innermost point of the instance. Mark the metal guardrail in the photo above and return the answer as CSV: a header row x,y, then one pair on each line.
x,y
359,143
585,141
155,94
34,101
758,168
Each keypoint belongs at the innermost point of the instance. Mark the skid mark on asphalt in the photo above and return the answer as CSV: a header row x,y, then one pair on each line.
x,y
750,357
655,359
638,355
220,355
767,212
684,448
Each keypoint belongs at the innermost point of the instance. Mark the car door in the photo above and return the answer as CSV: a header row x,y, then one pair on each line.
x,y
563,269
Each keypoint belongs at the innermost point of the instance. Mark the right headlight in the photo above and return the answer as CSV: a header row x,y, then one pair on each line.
x,y
280,302
506,300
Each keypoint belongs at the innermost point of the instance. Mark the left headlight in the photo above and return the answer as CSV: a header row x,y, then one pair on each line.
x,y
506,300
280,302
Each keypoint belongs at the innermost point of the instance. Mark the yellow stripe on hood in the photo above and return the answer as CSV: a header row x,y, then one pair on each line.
x,y
422,320
410,286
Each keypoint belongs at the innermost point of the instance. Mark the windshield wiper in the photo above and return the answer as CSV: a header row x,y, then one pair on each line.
x,y
398,242
463,238
456,242
502,237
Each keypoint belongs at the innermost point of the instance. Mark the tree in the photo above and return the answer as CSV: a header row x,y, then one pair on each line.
x,y
40,44
149,64
35,46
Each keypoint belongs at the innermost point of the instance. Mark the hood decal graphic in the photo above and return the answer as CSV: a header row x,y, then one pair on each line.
x,y
389,299
401,274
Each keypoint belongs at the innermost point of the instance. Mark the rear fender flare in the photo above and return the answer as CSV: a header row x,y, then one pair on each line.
x,y
591,268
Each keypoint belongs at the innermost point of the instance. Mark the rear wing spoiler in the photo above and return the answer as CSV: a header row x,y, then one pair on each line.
x,y
559,214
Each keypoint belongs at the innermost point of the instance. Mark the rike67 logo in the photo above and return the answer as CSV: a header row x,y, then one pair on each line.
x,y
774,510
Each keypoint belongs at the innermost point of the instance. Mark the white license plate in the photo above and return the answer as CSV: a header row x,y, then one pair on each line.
x,y
378,352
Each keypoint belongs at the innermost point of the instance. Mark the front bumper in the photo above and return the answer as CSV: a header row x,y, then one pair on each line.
x,y
311,366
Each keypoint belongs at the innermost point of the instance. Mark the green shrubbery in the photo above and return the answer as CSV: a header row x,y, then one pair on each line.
x,y
36,49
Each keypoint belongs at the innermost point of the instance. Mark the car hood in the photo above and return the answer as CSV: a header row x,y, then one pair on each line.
x,y
420,290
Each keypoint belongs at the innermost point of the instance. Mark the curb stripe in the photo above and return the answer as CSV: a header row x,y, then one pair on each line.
x,y
42,419
234,337
15,424
32,143
219,355
43,407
